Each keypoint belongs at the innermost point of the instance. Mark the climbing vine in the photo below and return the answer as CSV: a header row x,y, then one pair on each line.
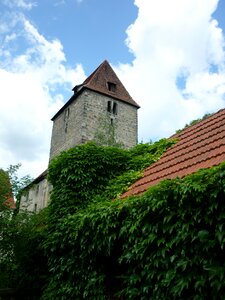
x,y
166,244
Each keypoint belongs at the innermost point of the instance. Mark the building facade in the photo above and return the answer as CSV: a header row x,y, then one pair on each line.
x,y
100,110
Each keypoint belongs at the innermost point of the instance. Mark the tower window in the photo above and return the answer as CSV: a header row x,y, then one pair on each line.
x,y
66,114
111,86
66,127
109,106
112,107
37,189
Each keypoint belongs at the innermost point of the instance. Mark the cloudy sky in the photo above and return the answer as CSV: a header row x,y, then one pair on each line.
x,y
170,55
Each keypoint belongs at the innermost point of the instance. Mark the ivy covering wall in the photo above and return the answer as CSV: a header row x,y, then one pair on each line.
x,y
165,244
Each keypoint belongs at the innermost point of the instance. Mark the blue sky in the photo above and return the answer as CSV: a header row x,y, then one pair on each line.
x,y
169,54
89,31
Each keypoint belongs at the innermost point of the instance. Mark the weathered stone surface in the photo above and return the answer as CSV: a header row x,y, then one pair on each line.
x,y
86,116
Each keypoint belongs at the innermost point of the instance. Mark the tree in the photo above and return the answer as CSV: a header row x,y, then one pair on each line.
x,y
17,183
20,237
5,189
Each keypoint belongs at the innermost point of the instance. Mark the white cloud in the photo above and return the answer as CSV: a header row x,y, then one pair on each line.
x,y
24,4
33,80
178,72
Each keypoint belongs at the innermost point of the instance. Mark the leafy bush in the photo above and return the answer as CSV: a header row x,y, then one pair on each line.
x,y
86,171
22,261
5,189
166,244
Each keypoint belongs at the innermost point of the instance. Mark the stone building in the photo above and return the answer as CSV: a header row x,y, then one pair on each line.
x,y
100,110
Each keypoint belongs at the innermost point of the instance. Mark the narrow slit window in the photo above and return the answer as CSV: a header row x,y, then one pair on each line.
x,y
109,106
114,108
37,189
66,127
66,114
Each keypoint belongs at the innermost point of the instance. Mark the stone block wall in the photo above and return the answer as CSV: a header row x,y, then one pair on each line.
x,y
37,197
86,115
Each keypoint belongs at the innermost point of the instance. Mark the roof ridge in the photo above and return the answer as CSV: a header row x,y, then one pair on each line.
x,y
202,145
198,124
172,172
183,160
88,79
182,143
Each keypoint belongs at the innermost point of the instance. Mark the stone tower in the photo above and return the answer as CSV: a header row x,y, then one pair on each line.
x,y
99,106
101,102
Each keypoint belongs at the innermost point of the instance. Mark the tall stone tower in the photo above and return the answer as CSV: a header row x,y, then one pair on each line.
x,y
101,102
100,106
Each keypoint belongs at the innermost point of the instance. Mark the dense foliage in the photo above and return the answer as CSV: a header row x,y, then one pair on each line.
x,y
193,122
20,238
22,261
85,172
5,189
165,244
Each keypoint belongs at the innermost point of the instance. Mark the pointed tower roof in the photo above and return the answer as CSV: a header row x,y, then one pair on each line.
x,y
104,80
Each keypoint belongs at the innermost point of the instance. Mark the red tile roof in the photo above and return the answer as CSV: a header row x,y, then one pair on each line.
x,y
97,82
199,146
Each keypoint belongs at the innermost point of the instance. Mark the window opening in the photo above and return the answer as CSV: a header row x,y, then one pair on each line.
x,y
111,86
37,189
66,126
66,114
114,108
109,106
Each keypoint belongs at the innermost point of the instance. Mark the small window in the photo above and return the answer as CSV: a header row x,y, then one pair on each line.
x,y
111,121
35,207
111,86
114,108
37,189
109,104
66,114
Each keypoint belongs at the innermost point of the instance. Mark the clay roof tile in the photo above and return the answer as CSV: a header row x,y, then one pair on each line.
x,y
199,146
105,81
